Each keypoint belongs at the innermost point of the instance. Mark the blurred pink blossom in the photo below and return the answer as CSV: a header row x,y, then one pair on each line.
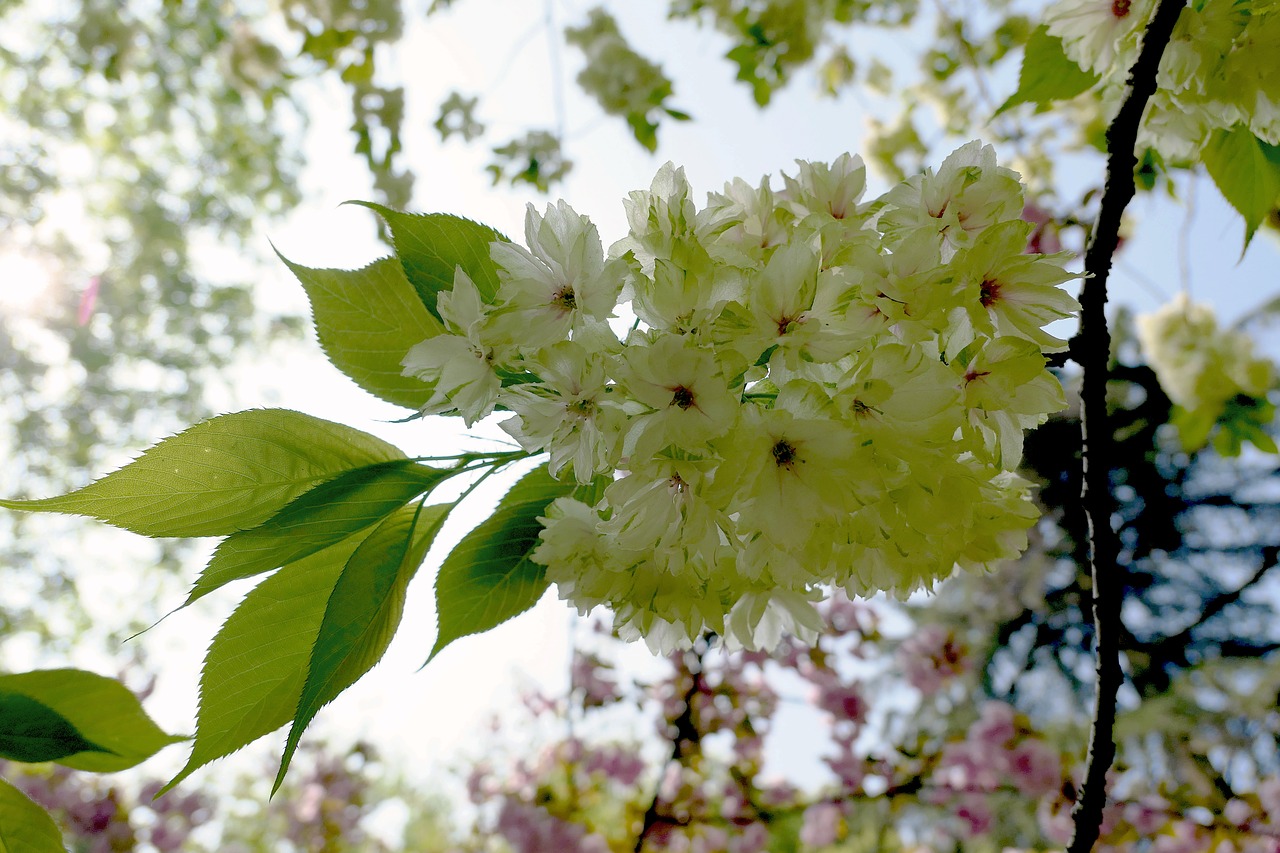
x,y
842,700
1182,836
849,767
1054,817
975,814
589,675
1036,768
995,726
932,657
530,829
88,299
614,762
1269,797
752,838
1044,239
821,824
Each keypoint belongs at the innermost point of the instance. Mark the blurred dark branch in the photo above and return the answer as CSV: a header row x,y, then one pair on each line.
x,y
1093,351
684,737
1245,649
1174,651
1220,602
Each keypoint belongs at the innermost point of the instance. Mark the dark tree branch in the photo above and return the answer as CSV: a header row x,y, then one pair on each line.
x,y
1093,350
1173,647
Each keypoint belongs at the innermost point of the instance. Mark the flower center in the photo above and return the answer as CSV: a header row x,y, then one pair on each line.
x,y
989,293
682,397
1120,8
785,323
784,453
564,298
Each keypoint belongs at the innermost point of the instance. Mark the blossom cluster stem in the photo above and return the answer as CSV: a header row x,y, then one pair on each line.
x,y
1093,351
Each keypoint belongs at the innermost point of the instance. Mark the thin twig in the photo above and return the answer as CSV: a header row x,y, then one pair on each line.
x,y
1093,351
1184,235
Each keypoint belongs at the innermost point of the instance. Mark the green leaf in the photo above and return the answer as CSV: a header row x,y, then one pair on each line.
x,y
644,131
1048,74
256,665
363,612
24,826
33,732
488,577
100,709
431,246
366,320
225,474
1194,426
1247,173
327,514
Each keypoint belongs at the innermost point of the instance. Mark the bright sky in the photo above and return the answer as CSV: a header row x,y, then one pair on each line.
x,y
499,51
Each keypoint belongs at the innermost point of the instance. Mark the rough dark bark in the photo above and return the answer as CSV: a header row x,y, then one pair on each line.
x,y
1093,350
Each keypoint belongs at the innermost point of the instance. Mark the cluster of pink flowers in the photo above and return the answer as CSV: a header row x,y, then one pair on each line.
x,y
332,802
590,680
97,817
531,829
325,810
999,754
931,658
999,779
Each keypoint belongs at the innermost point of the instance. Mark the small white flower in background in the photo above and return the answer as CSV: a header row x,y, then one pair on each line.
x,y
1197,364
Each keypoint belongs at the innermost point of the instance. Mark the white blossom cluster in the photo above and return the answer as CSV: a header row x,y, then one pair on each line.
x,y
1219,69
817,390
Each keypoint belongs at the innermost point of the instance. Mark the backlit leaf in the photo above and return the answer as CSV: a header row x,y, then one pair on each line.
x,y
431,246
33,732
225,474
364,611
100,709
488,577
366,320
24,826
257,663
1246,171
327,514
1048,74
